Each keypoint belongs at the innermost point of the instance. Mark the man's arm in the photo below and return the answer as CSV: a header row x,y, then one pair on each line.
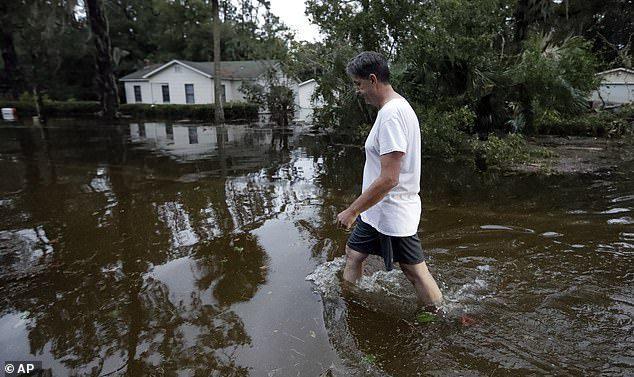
x,y
387,180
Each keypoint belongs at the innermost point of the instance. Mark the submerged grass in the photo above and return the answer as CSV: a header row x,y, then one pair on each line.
x,y
369,358
426,317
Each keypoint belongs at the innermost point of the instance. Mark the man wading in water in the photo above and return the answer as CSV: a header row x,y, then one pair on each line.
x,y
388,210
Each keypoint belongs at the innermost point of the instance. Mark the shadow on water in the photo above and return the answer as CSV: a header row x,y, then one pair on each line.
x,y
156,248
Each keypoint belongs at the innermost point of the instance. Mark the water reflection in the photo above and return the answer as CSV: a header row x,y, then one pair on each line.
x,y
194,142
94,299
143,266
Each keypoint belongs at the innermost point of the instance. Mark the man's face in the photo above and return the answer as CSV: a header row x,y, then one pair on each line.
x,y
365,87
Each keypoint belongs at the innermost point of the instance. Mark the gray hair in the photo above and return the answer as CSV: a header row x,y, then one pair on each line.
x,y
367,63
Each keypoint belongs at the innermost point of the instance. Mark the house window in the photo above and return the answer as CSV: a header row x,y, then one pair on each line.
x,y
137,93
177,68
189,93
166,93
224,93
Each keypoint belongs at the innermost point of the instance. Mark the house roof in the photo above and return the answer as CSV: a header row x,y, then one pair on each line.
x,y
138,75
306,82
242,69
625,79
626,70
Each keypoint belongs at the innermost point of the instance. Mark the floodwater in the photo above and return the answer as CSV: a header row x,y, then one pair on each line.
x,y
170,249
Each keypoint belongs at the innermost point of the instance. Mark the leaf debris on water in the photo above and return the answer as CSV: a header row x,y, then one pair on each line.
x,y
426,317
371,359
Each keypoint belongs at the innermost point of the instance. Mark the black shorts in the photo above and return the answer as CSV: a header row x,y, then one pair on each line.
x,y
367,240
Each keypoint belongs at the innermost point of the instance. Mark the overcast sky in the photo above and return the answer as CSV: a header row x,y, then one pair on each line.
x,y
292,14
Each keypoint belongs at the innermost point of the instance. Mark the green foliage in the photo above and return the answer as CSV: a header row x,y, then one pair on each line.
x,y
64,109
343,109
447,55
50,46
369,359
457,47
28,97
254,93
162,30
607,24
501,152
446,133
280,103
278,99
426,317
601,124
554,76
273,94
54,48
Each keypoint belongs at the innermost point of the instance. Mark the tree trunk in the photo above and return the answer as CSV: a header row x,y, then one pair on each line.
x,y
37,90
219,113
39,104
12,73
106,83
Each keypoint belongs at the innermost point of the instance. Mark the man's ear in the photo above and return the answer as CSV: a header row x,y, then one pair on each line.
x,y
373,78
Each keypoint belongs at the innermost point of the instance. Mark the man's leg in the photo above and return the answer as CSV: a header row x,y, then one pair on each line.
x,y
426,288
354,265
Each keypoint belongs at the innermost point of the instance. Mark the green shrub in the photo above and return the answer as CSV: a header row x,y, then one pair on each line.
x,y
604,123
502,152
233,111
28,97
446,133
54,108
62,109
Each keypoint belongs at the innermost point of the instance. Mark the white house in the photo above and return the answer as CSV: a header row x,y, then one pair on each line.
x,y
616,88
304,100
187,82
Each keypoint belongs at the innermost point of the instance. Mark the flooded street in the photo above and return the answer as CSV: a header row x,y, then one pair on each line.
x,y
171,249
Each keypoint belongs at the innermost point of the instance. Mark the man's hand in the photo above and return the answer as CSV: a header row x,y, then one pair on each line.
x,y
346,218
387,180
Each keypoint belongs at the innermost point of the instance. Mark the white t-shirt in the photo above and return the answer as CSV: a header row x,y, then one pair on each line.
x,y
395,129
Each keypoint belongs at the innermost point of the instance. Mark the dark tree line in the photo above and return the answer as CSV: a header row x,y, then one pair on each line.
x,y
76,49
509,62
480,64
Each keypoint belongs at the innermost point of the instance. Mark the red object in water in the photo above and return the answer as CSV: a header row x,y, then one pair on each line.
x,y
465,320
